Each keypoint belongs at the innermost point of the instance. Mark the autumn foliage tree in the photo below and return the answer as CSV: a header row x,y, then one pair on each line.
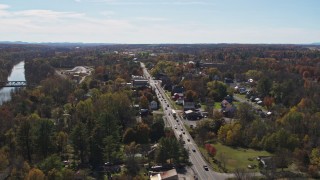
x,y
268,101
4,161
35,174
59,116
211,149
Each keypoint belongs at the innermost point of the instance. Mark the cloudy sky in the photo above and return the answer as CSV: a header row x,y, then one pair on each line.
x,y
160,21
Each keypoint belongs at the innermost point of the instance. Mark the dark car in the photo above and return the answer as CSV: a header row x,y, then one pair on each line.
x,y
205,168
252,98
193,150
198,105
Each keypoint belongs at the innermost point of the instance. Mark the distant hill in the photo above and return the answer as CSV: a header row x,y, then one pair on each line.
x,y
57,43
316,43
13,42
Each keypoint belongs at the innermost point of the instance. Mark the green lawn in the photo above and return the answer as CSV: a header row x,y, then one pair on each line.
x,y
173,103
236,103
203,106
242,96
237,157
217,105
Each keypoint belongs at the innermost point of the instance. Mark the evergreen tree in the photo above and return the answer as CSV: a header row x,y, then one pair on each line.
x,y
44,137
24,139
79,137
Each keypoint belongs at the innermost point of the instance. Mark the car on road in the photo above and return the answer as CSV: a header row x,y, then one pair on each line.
x,y
260,103
205,168
183,133
269,113
193,150
188,140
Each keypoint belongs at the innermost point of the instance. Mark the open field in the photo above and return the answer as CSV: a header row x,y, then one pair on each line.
x,y
234,158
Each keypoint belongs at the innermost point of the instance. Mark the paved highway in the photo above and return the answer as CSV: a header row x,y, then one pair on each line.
x,y
198,162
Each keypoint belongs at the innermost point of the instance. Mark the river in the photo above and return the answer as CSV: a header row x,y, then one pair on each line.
x,y
17,74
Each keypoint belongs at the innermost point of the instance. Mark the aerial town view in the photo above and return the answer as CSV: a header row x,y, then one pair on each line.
x,y
159,90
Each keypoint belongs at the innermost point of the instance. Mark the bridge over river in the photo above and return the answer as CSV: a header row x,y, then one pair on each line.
x,y
13,84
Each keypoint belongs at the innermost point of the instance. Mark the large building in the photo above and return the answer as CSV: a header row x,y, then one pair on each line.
x,y
166,175
139,81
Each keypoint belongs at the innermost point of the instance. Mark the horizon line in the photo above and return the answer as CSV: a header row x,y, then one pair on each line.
x,y
113,43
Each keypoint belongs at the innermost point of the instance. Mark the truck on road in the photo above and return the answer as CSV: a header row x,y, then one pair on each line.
x,y
174,114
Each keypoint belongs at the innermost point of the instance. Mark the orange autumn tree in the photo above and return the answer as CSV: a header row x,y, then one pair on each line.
x,y
268,101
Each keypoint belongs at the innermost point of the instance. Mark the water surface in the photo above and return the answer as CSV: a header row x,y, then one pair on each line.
x,y
17,74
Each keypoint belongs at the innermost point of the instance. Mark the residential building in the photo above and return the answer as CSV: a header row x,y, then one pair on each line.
x,y
177,89
153,105
139,81
166,175
188,105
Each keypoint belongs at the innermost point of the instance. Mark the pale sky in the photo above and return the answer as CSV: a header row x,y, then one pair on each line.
x,y
161,21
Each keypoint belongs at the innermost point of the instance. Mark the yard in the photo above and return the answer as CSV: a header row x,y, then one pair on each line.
x,y
234,158
173,103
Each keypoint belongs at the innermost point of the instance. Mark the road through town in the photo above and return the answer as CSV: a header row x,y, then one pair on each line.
x,y
198,162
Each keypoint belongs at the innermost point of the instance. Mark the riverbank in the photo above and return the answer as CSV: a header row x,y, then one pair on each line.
x,y
17,74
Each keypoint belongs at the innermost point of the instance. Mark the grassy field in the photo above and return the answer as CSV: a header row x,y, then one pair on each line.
x,y
217,105
237,157
243,96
